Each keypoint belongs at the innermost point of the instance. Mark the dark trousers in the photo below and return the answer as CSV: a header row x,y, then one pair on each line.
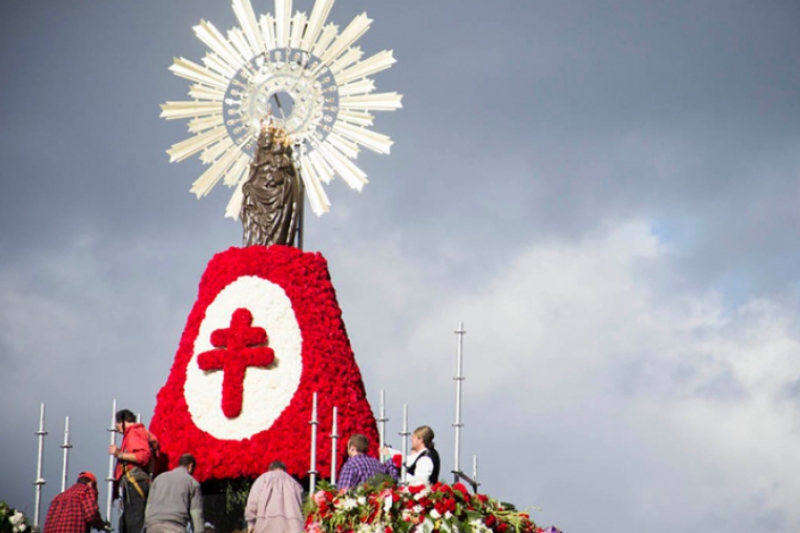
x,y
133,504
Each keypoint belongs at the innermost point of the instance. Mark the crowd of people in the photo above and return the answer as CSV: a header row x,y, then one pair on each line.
x,y
173,500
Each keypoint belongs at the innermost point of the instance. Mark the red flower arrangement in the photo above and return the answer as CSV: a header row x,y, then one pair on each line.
x,y
327,366
385,508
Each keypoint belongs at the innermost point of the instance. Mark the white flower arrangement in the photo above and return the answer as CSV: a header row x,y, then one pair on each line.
x,y
347,504
18,522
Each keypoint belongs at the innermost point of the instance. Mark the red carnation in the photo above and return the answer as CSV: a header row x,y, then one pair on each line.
x,y
450,504
459,487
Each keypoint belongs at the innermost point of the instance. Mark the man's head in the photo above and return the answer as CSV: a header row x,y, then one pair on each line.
x,y
188,461
357,445
124,417
277,465
87,478
422,438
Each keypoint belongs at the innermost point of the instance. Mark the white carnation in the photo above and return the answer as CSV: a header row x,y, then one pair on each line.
x,y
348,504
478,526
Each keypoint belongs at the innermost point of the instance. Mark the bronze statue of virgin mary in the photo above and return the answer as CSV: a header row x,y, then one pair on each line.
x,y
272,193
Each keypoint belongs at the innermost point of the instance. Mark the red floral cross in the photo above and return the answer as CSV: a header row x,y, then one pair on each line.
x,y
242,346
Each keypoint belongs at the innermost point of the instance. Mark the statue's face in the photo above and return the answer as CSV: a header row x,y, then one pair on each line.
x,y
264,140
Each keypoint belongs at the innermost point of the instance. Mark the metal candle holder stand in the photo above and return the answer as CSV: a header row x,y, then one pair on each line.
x,y
334,440
459,379
110,478
66,447
382,425
39,479
312,472
404,434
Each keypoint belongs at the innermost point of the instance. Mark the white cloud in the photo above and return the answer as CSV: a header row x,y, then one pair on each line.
x,y
668,389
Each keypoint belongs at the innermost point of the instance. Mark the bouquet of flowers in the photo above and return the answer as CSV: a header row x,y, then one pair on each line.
x,y
385,508
11,520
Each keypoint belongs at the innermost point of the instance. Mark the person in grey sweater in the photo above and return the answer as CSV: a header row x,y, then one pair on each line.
x,y
175,500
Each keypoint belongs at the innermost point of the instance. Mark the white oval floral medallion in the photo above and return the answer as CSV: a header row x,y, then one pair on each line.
x,y
267,391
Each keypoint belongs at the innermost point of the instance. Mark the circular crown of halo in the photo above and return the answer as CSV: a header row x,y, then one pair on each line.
x,y
303,73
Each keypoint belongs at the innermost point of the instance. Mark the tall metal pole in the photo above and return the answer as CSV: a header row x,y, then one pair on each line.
x,y
475,471
39,479
301,226
312,486
66,446
458,379
110,479
334,447
405,433
382,423
301,218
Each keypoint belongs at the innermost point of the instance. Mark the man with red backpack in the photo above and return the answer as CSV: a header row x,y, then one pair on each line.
x,y
134,465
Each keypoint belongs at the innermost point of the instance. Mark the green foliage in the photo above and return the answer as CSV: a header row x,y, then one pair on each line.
x,y
236,495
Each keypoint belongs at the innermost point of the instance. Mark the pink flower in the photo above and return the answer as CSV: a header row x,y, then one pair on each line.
x,y
320,497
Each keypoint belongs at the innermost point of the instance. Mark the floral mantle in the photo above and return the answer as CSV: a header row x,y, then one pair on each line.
x,y
264,334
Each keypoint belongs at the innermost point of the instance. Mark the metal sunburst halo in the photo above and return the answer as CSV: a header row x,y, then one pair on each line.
x,y
305,73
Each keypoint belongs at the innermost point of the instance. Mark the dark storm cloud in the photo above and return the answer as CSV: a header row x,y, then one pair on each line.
x,y
548,119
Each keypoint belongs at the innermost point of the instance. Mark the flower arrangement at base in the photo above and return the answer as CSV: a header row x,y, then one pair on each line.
x,y
264,335
386,508
12,520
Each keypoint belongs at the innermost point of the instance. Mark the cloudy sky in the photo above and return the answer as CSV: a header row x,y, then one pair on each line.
x,y
605,192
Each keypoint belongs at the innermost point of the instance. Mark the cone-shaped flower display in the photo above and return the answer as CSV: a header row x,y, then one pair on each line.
x,y
265,333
